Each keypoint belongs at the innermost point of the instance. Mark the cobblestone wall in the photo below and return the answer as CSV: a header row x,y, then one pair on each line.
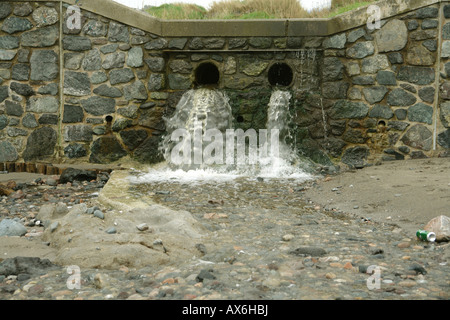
x,y
98,93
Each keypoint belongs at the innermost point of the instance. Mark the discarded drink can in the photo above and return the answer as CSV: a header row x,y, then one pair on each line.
x,y
426,235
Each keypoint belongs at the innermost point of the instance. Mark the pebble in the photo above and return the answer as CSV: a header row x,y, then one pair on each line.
x,y
265,242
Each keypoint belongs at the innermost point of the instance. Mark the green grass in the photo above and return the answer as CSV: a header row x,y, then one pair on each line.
x,y
349,7
249,9
178,12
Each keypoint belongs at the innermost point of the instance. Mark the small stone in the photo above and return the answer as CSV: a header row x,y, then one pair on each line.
x,y
404,245
288,237
111,230
142,227
330,275
99,214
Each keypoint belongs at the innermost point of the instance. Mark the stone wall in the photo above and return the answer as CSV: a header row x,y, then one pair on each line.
x,y
99,93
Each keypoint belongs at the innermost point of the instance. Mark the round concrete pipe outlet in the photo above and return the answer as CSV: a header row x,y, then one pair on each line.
x,y
207,74
280,74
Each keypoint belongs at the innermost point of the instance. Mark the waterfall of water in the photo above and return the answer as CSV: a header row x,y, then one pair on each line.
x,y
204,112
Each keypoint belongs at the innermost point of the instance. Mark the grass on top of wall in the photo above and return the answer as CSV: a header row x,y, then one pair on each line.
x,y
251,9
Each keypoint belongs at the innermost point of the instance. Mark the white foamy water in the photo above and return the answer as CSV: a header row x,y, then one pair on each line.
x,y
210,109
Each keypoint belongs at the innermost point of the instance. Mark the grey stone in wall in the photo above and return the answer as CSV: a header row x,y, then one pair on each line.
x,y
51,88
23,9
418,55
133,138
106,149
431,45
99,106
44,65
47,118
77,83
386,78
121,124
16,132
445,113
355,35
75,150
124,75
114,60
260,42
135,57
7,55
72,114
73,60
156,44
381,112
177,43
416,75
374,94
129,112
3,121
45,16
180,66
4,93
355,156
109,48
155,64
421,112
98,77
40,143
7,151
427,12
335,90
107,91
29,121
22,89
360,50
78,132
95,28
21,72
335,42
9,42
76,43
333,69
118,32
14,24
136,90
393,36
344,109
13,108
156,82
399,97
419,137
375,63
92,61
443,139
179,82
5,9
44,104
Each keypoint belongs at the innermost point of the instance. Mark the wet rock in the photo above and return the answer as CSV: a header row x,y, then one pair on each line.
x,y
72,174
106,149
9,227
418,136
41,142
26,265
309,251
205,274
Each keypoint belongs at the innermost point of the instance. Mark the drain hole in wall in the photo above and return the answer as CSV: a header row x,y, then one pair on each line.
x,y
280,74
207,74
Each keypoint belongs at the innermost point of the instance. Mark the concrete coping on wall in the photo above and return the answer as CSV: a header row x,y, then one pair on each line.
x,y
244,28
